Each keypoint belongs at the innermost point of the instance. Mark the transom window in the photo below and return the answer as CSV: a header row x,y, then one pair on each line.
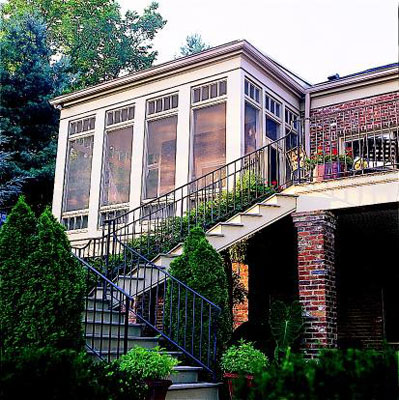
x,y
82,125
209,91
120,115
252,91
273,106
291,118
162,104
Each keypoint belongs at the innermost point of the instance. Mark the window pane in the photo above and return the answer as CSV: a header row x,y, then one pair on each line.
x,y
205,92
272,129
222,88
161,157
77,181
251,128
116,168
196,95
214,90
209,145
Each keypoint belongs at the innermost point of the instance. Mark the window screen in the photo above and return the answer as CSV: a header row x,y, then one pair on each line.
x,y
251,128
78,174
161,157
209,144
116,167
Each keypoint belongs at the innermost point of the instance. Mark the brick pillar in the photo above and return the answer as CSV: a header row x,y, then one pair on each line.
x,y
240,311
316,278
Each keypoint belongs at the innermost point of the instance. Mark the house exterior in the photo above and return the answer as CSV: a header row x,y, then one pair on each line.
x,y
332,146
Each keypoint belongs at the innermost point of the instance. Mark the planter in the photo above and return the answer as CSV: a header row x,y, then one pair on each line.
x,y
231,377
157,388
329,170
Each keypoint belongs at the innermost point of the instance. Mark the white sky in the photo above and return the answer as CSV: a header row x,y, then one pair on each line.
x,y
313,38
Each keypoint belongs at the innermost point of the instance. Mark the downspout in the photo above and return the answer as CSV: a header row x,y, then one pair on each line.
x,y
307,123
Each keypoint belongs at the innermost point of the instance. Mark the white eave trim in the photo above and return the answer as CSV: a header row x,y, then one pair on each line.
x,y
359,80
215,54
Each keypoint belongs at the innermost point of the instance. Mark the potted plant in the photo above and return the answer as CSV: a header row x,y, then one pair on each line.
x,y
328,164
241,360
152,366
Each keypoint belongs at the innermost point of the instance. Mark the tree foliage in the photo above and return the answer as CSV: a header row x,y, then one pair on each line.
x,y
194,44
29,124
100,41
42,286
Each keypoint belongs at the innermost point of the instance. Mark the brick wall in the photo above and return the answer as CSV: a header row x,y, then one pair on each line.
x,y
316,278
240,311
352,117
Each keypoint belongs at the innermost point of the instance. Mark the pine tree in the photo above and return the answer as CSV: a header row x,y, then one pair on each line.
x,y
54,299
202,268
17,242
194,44
29,124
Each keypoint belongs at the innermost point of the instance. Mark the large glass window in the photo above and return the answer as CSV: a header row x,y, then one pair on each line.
x,y
209,142
251,128
161,157
78,174
272,129
117,164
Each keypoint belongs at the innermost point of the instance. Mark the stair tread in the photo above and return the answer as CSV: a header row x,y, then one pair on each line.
x,y
268,205
194,385
231,224
186,368
139,278
244,214
105,336
112,323
214,234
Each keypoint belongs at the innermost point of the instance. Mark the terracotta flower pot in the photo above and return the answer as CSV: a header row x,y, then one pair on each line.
x,y
231,377
328,170
157,388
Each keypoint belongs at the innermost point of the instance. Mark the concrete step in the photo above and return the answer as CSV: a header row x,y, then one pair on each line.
x,y
185,374
114,328
105,315
114,354
193,391
113,343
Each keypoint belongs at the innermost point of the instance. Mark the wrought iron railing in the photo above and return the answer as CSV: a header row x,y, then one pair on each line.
x,y
145,294
142,291
349,141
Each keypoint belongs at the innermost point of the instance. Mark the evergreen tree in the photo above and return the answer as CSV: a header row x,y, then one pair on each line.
x,y
10,186
100,41
54,299
29,124
201,268
194,44
17,242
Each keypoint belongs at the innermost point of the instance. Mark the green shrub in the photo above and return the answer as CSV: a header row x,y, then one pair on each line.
x,y
17,242
42,285
147,364
54,300
49,374
243,359
202,269
334,375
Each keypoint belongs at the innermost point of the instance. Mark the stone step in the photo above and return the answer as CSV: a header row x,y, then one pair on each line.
x,y
113,343
193,391
185,374
113,354
105,315
105,328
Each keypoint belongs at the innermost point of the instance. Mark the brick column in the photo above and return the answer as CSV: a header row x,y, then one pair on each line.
x,y
316,278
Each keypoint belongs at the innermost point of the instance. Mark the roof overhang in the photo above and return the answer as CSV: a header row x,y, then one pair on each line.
x,y
164,70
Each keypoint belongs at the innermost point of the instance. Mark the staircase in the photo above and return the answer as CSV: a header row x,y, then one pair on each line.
x,y
127,295
105,335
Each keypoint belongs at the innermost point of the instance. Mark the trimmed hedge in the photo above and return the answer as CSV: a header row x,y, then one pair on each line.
x,y
48,374
335,375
